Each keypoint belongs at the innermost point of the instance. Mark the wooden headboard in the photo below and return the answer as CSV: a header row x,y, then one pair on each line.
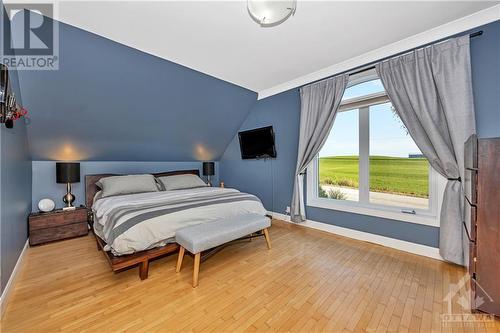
x,y
91,188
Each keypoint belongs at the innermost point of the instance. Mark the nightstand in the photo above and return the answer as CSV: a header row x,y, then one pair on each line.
x,y
57,225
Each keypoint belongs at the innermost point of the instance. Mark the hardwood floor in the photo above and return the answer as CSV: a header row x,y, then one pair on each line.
x,y
309,281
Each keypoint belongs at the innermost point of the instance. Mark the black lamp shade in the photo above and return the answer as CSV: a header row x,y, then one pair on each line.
x,y
67,172
208,168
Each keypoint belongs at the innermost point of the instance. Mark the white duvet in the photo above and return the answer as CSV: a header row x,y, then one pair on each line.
x,y
136,222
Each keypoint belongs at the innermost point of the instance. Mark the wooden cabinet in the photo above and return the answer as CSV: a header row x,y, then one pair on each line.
x,y
482,220
57,225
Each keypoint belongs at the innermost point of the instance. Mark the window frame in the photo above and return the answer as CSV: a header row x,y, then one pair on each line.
x,y
437,183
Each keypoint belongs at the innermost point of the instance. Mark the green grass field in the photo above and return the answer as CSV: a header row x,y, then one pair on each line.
x,y
408,176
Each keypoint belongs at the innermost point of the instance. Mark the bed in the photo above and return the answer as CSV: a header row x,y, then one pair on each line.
x,y
136,228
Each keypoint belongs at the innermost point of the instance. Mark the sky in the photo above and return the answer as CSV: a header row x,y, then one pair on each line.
x,y
387,134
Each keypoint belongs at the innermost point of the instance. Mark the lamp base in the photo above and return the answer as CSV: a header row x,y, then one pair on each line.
x,y
68,198
69,208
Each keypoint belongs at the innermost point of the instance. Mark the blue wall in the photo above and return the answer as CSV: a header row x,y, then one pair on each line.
x,y
110,102
45,186
15,184
272,181
485,57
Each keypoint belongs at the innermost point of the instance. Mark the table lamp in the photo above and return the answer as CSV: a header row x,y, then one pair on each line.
x,y
68,173
208,170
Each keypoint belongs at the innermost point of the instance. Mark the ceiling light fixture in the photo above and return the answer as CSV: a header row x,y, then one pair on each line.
x,y
270,13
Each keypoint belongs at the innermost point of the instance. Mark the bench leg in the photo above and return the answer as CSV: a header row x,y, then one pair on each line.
x,y
268,240
143,269
179,260
196,269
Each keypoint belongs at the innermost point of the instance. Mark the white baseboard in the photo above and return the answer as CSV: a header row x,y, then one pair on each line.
x,y
422,250
4,299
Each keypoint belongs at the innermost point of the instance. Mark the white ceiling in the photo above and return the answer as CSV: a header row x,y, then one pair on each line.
x,y
220,38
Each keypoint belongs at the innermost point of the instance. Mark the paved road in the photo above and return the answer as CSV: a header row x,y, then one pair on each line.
x,y
383,198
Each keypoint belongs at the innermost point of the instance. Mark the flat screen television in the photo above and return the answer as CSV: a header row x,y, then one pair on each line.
x,y
257,143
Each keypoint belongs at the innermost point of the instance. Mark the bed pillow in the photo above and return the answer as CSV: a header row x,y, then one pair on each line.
x,y
97,196
120,185
180,182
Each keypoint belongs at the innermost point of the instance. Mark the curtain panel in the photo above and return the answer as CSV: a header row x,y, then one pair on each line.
x,y
431,90
319,103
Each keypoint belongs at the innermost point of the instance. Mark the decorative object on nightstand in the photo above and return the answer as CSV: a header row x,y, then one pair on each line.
x,y
221,185
68,173
208,170
57,225
46,205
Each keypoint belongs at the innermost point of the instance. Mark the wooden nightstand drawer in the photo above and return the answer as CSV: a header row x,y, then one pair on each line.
x,y
56,219
56,225
57,233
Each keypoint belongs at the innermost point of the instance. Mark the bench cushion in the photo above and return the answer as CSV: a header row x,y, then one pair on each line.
x,y
205,236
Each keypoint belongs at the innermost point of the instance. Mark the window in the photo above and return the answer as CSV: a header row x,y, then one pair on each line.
x,y
398,172
369,163
338,165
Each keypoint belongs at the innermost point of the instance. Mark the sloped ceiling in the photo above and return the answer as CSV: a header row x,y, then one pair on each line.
x,y
111,102
219,38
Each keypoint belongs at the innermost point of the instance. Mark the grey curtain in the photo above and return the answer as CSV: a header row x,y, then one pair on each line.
x,y
431,90
319,103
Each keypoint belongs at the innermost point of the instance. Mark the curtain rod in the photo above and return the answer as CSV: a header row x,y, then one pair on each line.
x,y
354,71
472,35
